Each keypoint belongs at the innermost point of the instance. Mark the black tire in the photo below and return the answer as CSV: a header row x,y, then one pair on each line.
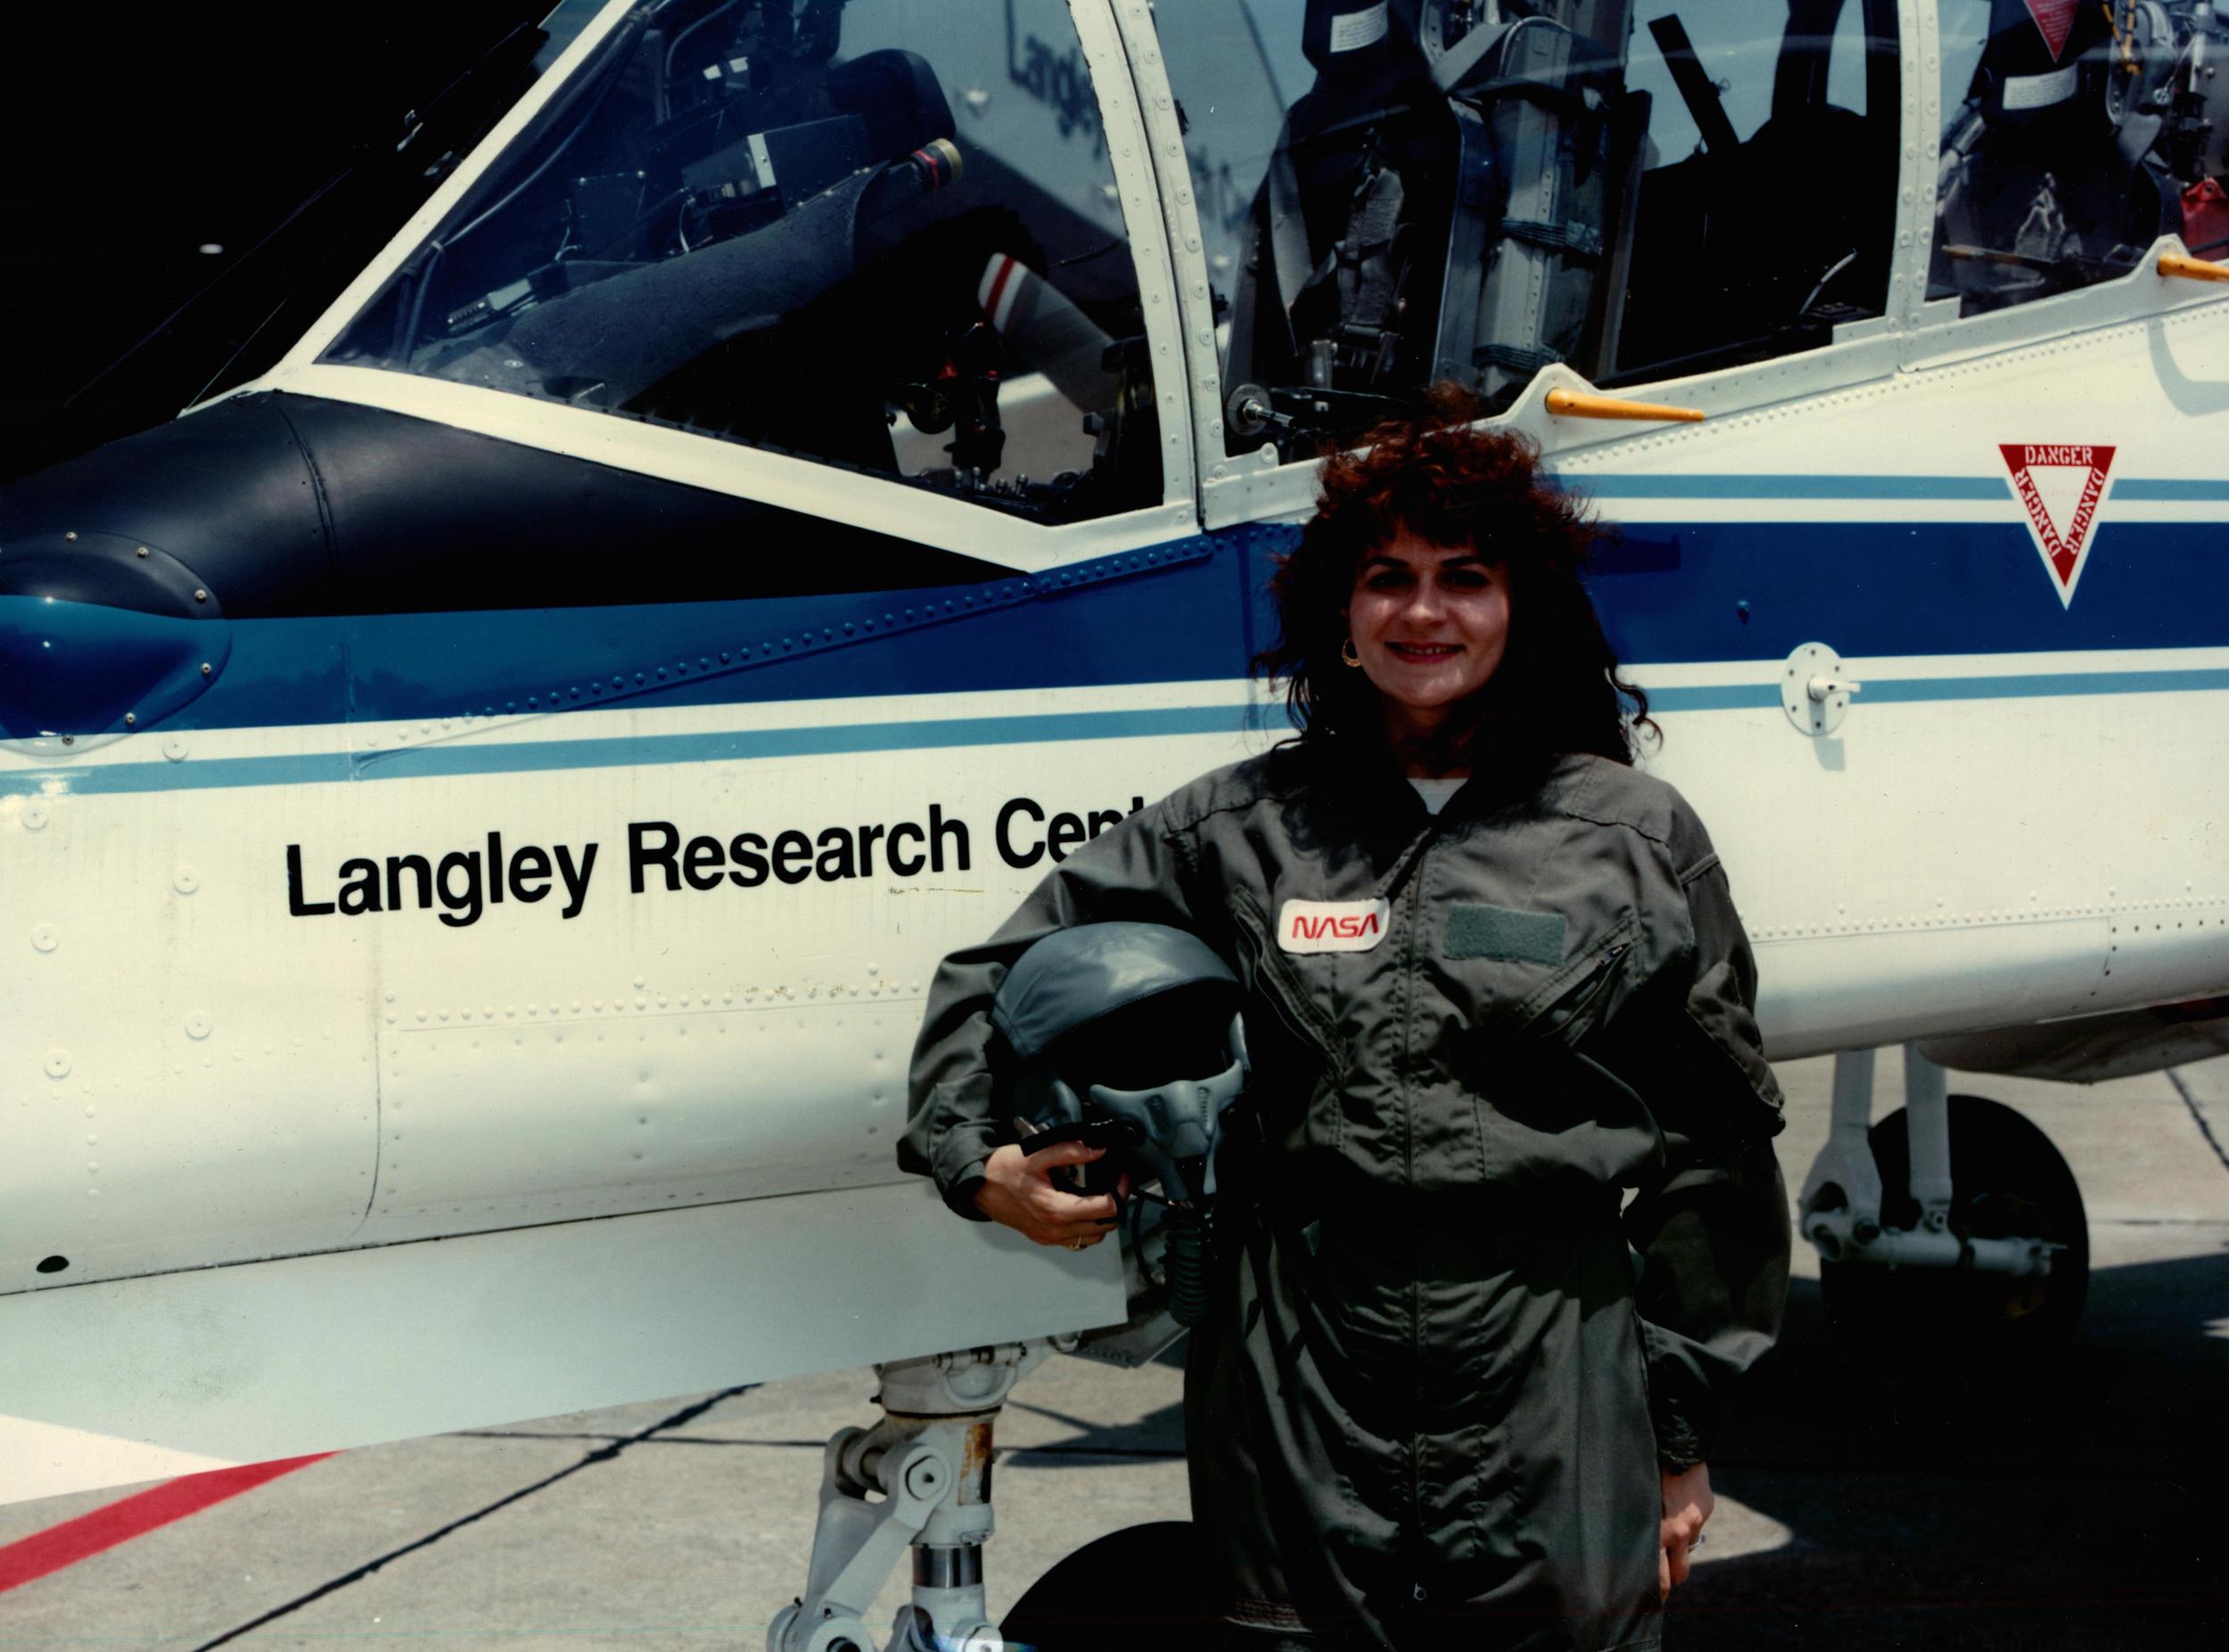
x,y
1143,1586
2011,1182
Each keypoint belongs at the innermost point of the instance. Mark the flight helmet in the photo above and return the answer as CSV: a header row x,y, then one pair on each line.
x,y
1135,1024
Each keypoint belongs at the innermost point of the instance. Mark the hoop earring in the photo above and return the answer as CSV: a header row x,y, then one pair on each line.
x,y
1347,657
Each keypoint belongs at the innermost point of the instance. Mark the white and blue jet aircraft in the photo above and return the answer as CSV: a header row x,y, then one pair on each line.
x,y
481,798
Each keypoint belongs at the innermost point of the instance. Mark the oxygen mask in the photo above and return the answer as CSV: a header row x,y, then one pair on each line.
x,y
1128,1037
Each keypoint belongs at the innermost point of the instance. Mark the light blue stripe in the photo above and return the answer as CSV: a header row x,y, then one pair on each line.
x,y
538,757
1623,486
1053,727
2171,492
542,756
1619,486
1744,696
1715,697
2043,683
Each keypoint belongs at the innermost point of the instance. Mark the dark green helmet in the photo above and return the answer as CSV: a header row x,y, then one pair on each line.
x,y
1136,1022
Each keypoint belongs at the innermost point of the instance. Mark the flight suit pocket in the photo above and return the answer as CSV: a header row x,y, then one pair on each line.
x,y
1572,1004
1521,971
1524,1024
1545,1111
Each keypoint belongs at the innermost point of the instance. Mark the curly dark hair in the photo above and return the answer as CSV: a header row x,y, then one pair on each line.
x,y
1557,689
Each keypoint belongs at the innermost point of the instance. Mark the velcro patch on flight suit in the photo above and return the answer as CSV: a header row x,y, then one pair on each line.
x,y
1474,930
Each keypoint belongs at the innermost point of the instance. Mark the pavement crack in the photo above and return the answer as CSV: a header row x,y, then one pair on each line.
x,y
603,1454
2198,1116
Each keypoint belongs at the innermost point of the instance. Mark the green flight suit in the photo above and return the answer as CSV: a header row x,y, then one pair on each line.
x,y
1443,1368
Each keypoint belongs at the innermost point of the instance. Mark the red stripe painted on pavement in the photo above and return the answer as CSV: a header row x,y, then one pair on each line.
x,y
120,1522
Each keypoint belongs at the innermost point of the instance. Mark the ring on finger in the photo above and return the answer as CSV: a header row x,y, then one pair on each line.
x,y
1695,1542
1076,1243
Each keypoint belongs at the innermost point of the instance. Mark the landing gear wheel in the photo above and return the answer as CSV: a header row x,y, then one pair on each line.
x,y
2011,1183
1144,1585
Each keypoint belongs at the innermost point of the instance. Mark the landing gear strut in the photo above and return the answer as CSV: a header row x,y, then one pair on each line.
x,y
1994,1254
921,1479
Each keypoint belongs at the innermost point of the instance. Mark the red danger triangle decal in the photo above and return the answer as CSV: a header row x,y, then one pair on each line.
x,y
2060,487
2054,19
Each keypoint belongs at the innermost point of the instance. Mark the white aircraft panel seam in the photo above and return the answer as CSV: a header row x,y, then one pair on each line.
x,y
1994,919
1805,403
893,1177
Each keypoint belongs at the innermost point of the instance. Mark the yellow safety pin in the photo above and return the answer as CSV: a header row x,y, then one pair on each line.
x,y
2192,269
1579,405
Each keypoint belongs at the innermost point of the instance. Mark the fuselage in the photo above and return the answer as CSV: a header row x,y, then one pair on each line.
x,y
429,809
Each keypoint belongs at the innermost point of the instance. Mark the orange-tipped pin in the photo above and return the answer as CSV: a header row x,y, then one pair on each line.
x,y
2192,269
1580,405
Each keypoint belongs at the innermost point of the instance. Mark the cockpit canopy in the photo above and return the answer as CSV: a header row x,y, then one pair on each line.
x,y
887,233
798,225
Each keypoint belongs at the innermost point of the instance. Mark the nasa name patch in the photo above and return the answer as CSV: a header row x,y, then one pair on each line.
x,y
1331,925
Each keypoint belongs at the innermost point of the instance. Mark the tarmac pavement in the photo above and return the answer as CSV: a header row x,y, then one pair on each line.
x,y
1869,1497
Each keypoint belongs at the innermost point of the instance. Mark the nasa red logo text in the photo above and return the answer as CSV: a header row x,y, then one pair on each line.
x,y
1344,928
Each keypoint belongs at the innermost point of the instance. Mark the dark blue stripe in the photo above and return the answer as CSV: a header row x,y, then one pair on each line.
x,y
1173,614
1726,591
1699,593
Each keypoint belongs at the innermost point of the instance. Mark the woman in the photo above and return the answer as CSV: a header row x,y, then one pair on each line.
x,y
1446,1381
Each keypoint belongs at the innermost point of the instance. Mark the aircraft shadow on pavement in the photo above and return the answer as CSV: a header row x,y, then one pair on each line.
x,y
1160,1432
1937,1502
1932,1502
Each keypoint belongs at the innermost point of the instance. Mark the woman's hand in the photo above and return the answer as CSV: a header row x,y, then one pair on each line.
x,y
1687,1504
1018,1191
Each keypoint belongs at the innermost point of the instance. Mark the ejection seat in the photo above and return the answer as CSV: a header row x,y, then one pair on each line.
x,y
1332,317
1748,241
1434,211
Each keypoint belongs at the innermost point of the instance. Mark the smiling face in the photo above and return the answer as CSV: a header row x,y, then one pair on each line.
x,y
1431,624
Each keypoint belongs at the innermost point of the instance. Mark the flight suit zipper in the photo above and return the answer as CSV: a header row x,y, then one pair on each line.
x,y
1272,978
1286,996
1576,1000
1412,895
